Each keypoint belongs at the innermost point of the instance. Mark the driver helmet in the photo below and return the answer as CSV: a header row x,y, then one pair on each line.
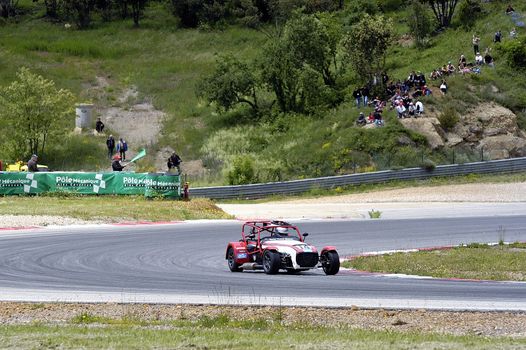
x,y
282,231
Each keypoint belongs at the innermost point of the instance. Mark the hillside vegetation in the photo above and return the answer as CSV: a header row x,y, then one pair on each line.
x,y
172,64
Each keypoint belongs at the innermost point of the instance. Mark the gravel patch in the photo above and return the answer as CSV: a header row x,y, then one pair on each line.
x,y
454,323
40,220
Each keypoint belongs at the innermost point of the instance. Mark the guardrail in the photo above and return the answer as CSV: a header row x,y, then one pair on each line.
x,y
255,191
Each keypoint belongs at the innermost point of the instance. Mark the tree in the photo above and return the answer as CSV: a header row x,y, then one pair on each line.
x,y
419,22
443,10
366,46
137,10
8,8
34,113
300,66
232,83
80,10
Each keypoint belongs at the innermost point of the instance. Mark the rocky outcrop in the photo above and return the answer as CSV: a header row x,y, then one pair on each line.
x,y
429,127
489,127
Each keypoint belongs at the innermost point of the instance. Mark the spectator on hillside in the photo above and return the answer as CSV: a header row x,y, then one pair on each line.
x,y
464,69
476,41
378,121
122,147
174,162
509,9
99,125
419,108
420,79
365,94
498,36
110,143
411,79
450,68
462,60
426,91
411,109
357,94
361,120
435,74
400,110
377,103
513,33
479,60
488,59
443,87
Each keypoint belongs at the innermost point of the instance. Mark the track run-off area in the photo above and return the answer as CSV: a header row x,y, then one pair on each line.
x,y
185,263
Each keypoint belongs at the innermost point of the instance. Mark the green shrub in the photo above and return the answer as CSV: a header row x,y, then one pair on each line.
x,y
243,171
375,214
428,165
390,5
449,118
469,12
515,52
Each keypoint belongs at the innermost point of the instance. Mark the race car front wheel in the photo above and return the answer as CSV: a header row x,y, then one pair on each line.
x,y
271,262
330,263
232,264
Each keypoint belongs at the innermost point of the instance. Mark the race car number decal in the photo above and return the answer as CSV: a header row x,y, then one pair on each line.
x,y
304,247
242,255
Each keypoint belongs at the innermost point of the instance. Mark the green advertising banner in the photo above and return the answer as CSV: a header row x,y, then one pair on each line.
x,y
148,184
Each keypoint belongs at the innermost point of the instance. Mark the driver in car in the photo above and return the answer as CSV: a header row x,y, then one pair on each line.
x,y
282,232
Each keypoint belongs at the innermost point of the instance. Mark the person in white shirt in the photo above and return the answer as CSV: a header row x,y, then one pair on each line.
x,y
419,108
479,59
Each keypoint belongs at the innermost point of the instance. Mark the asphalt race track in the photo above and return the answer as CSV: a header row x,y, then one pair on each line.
x,y
186,263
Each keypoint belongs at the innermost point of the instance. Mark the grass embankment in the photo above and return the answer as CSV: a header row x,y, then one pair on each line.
x,y
112,208
165,62
474,261
88,332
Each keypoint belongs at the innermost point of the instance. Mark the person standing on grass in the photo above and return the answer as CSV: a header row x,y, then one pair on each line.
x,y
122,147
174,162
498,36
357,94
99,125
476,42
110,143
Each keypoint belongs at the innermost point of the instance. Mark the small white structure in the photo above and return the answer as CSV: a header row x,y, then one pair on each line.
x,y
83,116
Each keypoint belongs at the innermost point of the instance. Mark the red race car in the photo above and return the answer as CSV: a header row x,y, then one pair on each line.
x,y
277,245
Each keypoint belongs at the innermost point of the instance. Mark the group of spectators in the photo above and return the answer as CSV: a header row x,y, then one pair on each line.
x,y
404,94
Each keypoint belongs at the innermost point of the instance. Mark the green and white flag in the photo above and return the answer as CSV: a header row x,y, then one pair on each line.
x,y
139,155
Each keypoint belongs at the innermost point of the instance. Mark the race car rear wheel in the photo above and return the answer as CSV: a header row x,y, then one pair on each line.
x,y
271,262
232,264
331,263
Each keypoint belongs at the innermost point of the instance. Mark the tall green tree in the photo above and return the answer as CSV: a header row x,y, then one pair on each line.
x,y
443,10
80,11
34,113
231,84
367,44
419,22
300,66
137,10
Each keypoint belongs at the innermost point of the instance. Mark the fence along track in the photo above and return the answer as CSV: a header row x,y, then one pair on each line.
x,y
255,191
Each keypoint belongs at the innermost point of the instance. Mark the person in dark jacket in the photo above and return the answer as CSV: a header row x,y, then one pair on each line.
x,y
116,164
122,147
174,162
32,164
110,143
357,94
99,125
